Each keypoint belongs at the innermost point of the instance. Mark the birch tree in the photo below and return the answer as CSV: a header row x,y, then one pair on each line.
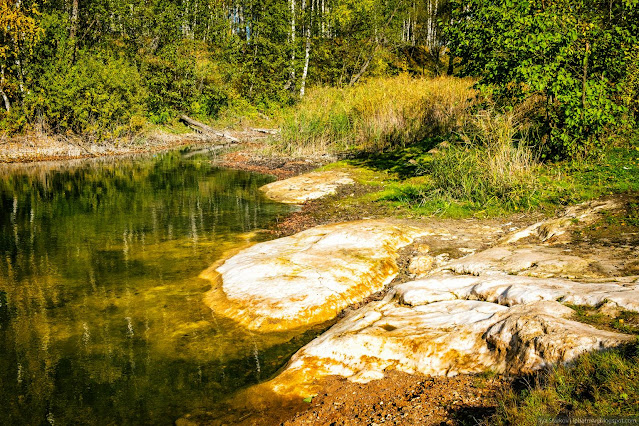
x,y
307,52
19,31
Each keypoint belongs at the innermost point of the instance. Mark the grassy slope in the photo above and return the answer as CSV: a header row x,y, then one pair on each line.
x,y
597,384
489,167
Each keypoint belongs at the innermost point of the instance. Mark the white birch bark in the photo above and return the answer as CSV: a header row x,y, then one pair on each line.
x,y
7,104
308,48
291,77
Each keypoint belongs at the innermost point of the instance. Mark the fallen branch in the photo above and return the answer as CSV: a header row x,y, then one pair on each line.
x,y
267,131
204,151
203,128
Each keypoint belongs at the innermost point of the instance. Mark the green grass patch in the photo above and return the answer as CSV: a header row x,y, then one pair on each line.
x,y
460,181
616,170
361,174
597,384
624,322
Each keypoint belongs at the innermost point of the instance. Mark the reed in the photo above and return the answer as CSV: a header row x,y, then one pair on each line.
x,y
377,115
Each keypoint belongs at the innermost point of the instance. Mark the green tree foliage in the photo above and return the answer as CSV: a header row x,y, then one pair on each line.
x,y
77,65
19,31
97,96
572,56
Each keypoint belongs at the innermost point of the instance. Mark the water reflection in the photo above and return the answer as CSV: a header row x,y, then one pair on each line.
x,y
101,313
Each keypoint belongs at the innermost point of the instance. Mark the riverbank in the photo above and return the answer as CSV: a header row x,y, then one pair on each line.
x,y
417,394
34,147
400,397
593,246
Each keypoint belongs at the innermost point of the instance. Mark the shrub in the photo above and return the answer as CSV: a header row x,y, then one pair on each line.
x,y
97,96
574,54
491,163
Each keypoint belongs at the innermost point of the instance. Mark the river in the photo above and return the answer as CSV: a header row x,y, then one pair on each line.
x,y
101,312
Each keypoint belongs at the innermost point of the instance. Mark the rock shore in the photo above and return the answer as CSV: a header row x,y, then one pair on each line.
x,y
500,309
310,277
309,186
442,338
473,296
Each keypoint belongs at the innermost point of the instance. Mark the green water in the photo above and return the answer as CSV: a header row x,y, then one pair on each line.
x,y
101,312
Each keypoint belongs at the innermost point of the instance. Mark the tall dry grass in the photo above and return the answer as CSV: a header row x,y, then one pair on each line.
x,y
493,162
376,115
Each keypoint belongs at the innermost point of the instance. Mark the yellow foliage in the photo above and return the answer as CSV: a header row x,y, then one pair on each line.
x,y
18,26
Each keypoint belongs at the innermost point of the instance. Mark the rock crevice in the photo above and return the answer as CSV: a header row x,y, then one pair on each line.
x,y
499,309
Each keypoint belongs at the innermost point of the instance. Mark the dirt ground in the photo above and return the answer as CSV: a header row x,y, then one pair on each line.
x,y
397,399
403,399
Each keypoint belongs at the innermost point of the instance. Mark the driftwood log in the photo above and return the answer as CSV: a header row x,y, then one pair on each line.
x,y
267,131
203,128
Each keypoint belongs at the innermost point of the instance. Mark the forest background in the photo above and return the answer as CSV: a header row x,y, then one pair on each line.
x,y
109,68
567,72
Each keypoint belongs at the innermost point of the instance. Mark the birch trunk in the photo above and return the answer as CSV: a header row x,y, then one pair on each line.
x,y
291,77
322,15
584,80
74,28
7,104
307,52
362,70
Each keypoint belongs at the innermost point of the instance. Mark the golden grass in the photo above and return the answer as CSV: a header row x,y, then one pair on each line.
x,y
378,114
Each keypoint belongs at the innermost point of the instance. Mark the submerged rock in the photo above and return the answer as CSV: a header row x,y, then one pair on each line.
x,y
309,277
309,186
442,338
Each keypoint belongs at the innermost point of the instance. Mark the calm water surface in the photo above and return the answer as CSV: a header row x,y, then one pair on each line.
x,y
101,312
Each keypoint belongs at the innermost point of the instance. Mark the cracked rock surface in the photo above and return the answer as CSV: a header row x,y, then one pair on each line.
x,y
309,277
500,309
309,186
442,338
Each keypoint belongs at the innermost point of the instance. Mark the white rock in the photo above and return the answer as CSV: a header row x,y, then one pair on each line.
x,y
513,289
443,338
309,277
537,261
584,213
309,186
421,265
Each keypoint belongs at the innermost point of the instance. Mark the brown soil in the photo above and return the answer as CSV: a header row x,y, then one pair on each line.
x,y
397,399
403,399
